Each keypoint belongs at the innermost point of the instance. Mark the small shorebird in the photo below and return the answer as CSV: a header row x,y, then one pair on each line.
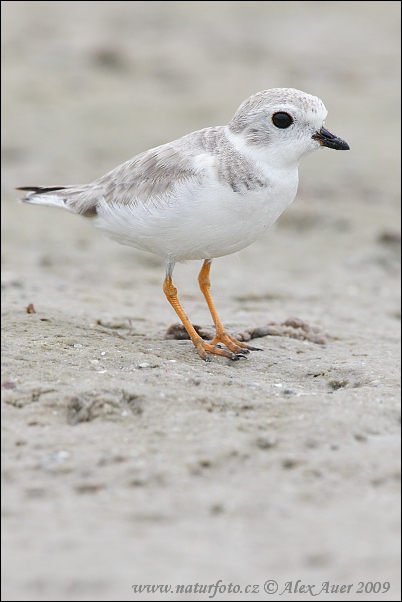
x,y
207,194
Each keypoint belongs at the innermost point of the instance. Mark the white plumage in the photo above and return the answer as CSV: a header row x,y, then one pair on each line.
x,y
207,194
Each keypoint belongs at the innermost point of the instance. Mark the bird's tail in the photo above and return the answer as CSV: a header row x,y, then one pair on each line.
x,y
72,198
44,195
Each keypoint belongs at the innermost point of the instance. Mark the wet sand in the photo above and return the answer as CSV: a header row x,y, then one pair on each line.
x,y
126,459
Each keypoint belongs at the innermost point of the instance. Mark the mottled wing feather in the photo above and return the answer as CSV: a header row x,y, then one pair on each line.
x,y
156,175
148,177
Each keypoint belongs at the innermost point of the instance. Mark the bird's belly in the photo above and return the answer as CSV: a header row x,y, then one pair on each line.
x,y
195,227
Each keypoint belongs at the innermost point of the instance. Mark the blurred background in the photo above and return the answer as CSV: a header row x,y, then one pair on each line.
x,y
86,86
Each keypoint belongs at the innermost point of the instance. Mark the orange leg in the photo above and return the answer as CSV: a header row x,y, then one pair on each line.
x,y
237,347
202,347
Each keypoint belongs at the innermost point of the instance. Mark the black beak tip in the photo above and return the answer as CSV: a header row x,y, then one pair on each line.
x,y
341,145
325,138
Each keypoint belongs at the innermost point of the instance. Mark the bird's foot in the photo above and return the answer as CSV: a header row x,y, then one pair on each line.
x,y
235,349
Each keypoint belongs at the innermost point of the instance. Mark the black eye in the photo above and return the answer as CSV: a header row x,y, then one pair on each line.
x,y
282,120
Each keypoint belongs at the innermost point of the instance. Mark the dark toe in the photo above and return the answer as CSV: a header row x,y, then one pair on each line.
x,y
239,356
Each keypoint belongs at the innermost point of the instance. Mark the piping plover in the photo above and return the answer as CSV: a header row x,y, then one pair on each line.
x,y
207,194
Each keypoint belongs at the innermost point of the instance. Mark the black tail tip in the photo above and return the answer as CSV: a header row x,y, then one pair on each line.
x,y
40,189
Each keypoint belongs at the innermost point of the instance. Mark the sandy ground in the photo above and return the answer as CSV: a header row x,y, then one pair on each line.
x,y
126,459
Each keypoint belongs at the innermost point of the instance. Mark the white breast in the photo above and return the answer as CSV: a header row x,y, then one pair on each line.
x,y
199,222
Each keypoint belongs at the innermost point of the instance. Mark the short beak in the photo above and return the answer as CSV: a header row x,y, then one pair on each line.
x,y
325,138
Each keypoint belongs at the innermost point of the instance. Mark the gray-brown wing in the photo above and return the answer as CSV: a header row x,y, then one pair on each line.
x,y
147,178
153,176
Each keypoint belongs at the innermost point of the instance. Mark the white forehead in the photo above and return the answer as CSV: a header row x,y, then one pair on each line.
x,y
307,107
